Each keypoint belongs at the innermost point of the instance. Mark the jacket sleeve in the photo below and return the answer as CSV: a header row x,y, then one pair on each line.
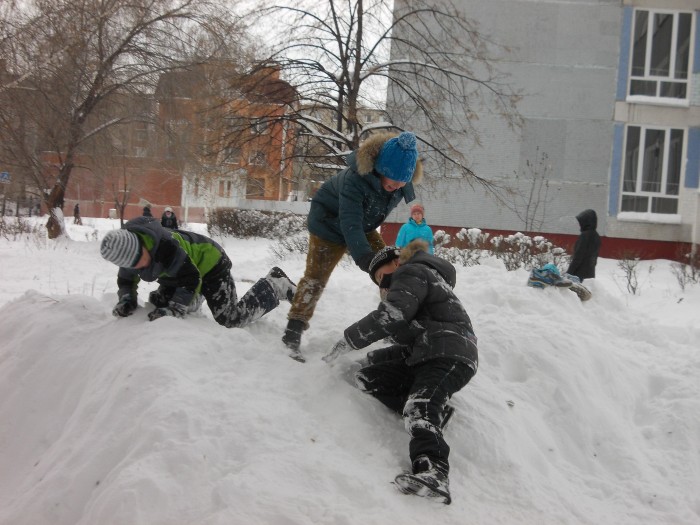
x,y
394,315
351,214
127,282
582,250
180,272
401,237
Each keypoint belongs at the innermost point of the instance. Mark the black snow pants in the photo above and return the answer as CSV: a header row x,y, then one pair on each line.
x,y
418,393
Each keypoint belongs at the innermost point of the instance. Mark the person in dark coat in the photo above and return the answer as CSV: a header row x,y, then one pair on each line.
x,y
433,356
187,266
345,214
168,219
147,211
585,257
76,214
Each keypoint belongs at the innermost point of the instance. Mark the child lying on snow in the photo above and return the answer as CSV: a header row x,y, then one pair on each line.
x,y
549,275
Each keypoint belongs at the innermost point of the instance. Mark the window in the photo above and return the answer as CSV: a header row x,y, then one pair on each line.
x,y
258,126
255,187
257,158
660,54
652,170
141,133
232,154
225,188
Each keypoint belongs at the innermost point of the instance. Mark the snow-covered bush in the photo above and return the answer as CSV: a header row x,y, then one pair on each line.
x,y
255,223
467,250
14,228
516,251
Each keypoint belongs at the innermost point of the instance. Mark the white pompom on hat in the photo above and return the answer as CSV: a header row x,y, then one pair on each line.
x,y
121,247
169,209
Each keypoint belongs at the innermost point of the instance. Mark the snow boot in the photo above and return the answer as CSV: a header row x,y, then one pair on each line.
x,y
281,284
292,338
429,479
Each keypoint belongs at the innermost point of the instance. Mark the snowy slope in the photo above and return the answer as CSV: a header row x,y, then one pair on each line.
x,y
581,413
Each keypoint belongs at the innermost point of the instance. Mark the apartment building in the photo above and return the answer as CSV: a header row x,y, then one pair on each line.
x,y
610,120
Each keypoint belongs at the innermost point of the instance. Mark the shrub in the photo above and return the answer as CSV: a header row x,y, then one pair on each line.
x,y
255,223
516,251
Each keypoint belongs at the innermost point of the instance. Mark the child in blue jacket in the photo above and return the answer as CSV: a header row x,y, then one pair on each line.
x,y
416,228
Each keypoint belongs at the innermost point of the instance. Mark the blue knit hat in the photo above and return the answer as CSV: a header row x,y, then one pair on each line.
x,y
397,158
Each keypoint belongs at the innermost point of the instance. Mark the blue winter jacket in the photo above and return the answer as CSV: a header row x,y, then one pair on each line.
x,y
352,203
412,230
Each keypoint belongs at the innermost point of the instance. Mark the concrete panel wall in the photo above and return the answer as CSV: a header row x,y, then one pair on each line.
x,y
563,59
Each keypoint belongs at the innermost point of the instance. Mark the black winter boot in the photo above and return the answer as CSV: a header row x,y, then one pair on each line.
x,y
292,338
429,479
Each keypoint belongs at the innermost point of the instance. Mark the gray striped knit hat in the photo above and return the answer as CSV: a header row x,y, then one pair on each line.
x,y
121,247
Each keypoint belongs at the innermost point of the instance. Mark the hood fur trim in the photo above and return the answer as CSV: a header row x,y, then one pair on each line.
x,y
413,247
369,150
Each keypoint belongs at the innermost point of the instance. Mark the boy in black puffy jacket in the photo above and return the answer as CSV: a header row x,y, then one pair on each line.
x,y
434,356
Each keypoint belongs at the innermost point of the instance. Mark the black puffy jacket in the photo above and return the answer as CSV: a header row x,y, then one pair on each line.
x,y
421,312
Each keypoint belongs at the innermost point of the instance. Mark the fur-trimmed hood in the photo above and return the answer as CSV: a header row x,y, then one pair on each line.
x,y
367,154
418,251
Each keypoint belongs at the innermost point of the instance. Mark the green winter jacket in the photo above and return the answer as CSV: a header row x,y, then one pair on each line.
x,y
352,203
179,259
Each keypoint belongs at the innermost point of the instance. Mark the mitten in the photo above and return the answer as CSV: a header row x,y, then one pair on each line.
x,y
125,307
340,348
364,261
157,298
172,310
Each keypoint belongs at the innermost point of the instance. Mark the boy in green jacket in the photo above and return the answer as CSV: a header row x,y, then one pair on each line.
x,y
186,265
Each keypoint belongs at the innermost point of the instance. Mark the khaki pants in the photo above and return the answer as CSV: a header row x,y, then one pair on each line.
x,y
322,258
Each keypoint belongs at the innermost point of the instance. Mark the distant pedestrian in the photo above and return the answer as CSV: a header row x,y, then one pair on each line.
x,y
168,220
76,215
416,228
585,257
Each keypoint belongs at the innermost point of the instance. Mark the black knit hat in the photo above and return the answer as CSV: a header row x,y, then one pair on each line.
x,y
121,247
383,256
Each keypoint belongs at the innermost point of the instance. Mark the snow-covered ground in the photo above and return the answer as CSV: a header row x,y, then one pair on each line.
x,y
581,413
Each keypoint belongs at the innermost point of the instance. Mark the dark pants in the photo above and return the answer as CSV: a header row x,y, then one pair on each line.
x,y
419,393
219,290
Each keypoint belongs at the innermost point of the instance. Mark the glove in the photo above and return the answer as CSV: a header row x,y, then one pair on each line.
x,y
172,310
340,348
364,261
125,307
157,298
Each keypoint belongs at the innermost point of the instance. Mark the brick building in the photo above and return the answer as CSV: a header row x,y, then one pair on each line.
x,y
208,137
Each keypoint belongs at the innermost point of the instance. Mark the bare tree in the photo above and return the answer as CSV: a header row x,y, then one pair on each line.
x,y
70,65
340,56
530,204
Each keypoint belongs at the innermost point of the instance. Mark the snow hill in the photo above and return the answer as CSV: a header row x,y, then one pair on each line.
x,y
580,413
